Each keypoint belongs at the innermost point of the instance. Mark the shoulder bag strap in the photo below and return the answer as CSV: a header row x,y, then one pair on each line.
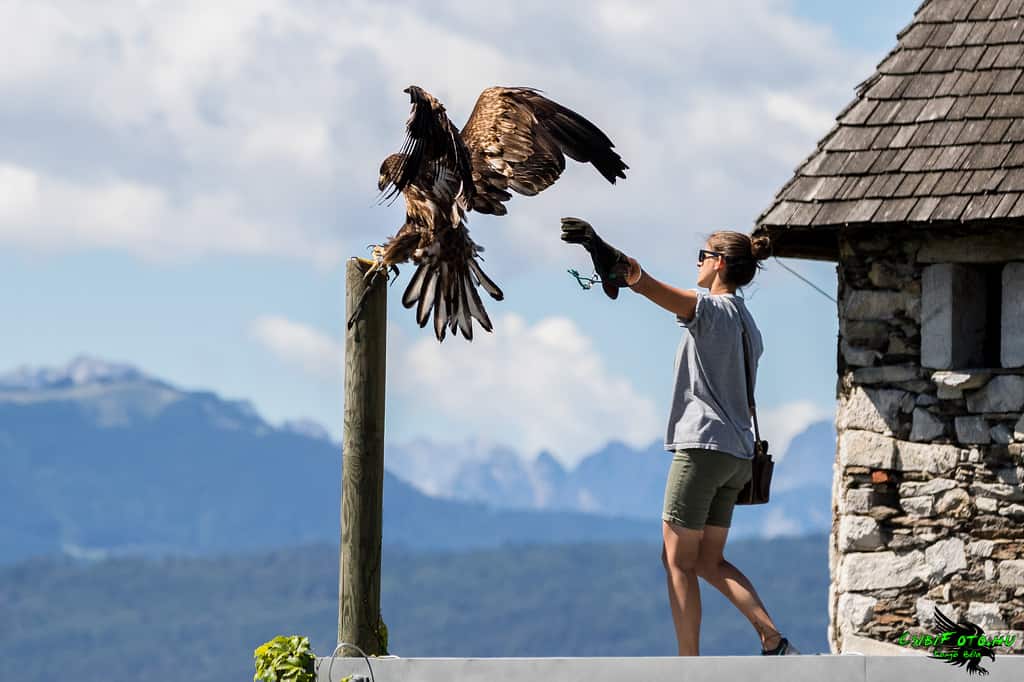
x,y
750,384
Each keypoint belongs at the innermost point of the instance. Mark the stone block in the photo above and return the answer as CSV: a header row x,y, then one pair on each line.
x,y
1018,429
886,374
1002,491
987,616
859,357
1011,573
963,380
866,304
871,409
947,393
953,322
990,570
862,571
923,505
864,334
926,426
1014,511
933,459
1011,350
945,558
857,501
916,386
932,487
982,548
856,610
925,400
1011,475
971,430
866,449
1000,433
1004,393
953,502
986,504
859,533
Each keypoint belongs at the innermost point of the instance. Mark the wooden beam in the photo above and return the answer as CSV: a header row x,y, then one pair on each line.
x,y
815,244
362,478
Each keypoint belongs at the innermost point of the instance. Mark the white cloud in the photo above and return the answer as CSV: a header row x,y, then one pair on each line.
x,y
781,423
301,346
257,127
776,523
48,214
528,386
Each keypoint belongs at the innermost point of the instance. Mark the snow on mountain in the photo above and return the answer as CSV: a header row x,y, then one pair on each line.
x,y
82,370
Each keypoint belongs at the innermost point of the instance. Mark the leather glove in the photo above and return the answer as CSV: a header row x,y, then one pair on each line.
x,y
611,265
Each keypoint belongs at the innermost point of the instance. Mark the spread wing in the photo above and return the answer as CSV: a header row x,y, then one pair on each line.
x,y
518,139
433,148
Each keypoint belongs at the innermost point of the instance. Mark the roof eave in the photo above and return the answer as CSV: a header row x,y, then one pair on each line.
x,y
819,243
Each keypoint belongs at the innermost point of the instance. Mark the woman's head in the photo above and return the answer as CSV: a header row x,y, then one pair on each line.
x,y
734,257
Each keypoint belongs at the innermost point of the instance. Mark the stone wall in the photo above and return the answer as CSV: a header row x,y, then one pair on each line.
x,y
928,502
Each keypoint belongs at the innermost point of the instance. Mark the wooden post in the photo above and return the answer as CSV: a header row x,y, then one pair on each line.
x,y
362,478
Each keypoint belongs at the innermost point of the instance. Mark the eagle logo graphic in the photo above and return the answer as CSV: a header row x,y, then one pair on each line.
x,y
959,644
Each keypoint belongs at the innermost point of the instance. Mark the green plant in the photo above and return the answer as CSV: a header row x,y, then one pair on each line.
x,y
285,659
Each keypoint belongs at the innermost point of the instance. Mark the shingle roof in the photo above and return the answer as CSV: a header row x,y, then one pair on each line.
x,y
936,134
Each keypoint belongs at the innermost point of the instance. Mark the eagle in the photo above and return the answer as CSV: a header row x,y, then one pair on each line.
x,y
516,139
970,653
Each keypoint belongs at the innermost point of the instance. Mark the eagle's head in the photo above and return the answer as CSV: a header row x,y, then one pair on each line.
x,y
390,171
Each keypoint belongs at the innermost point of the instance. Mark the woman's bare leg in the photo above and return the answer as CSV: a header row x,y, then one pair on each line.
x,y
731,582
679,554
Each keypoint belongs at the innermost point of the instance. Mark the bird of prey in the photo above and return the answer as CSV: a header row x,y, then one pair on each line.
x,y
515,139
970,653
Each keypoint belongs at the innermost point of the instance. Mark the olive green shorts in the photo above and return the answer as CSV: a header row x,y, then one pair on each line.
x,y
702,488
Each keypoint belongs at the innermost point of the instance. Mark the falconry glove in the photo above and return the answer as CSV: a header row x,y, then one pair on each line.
x,y
611,265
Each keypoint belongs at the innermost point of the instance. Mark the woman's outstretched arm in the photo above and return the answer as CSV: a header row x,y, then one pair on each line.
x,y
681,302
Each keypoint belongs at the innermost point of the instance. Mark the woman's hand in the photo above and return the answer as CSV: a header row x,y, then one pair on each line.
x,y
611,265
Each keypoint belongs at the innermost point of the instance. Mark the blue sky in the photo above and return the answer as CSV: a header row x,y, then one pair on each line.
x,y
180,187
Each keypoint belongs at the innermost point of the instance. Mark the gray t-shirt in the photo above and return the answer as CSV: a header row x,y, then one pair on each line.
x,y
709,401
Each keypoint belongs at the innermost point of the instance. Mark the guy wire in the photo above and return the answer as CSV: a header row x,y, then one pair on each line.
x,y
812,284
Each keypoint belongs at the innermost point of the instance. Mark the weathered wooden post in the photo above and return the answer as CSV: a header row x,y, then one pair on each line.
x,y
362,478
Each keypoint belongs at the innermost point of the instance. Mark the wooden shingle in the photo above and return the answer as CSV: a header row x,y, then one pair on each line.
x,y
1005,205
982,10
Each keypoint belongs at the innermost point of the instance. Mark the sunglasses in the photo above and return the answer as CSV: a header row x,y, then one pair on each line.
x,y
702,254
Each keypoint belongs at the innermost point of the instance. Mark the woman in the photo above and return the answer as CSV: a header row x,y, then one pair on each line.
x,y
709,424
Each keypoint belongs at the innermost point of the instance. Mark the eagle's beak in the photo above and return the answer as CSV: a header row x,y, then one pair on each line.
x,y
381,182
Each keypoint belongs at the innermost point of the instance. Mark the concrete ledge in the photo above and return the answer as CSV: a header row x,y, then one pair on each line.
x,y
846,668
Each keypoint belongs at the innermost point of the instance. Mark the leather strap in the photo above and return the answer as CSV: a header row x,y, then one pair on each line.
x,y
750,384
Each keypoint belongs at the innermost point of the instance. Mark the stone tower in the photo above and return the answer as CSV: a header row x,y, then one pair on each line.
x,y
917,194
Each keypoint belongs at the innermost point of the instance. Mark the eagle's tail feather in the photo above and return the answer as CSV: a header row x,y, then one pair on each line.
x,y
465,321
472,298
414,289
449,293
427,298
482,279
440,306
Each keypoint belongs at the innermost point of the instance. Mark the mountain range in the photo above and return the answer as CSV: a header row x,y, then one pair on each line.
x,y
102,459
